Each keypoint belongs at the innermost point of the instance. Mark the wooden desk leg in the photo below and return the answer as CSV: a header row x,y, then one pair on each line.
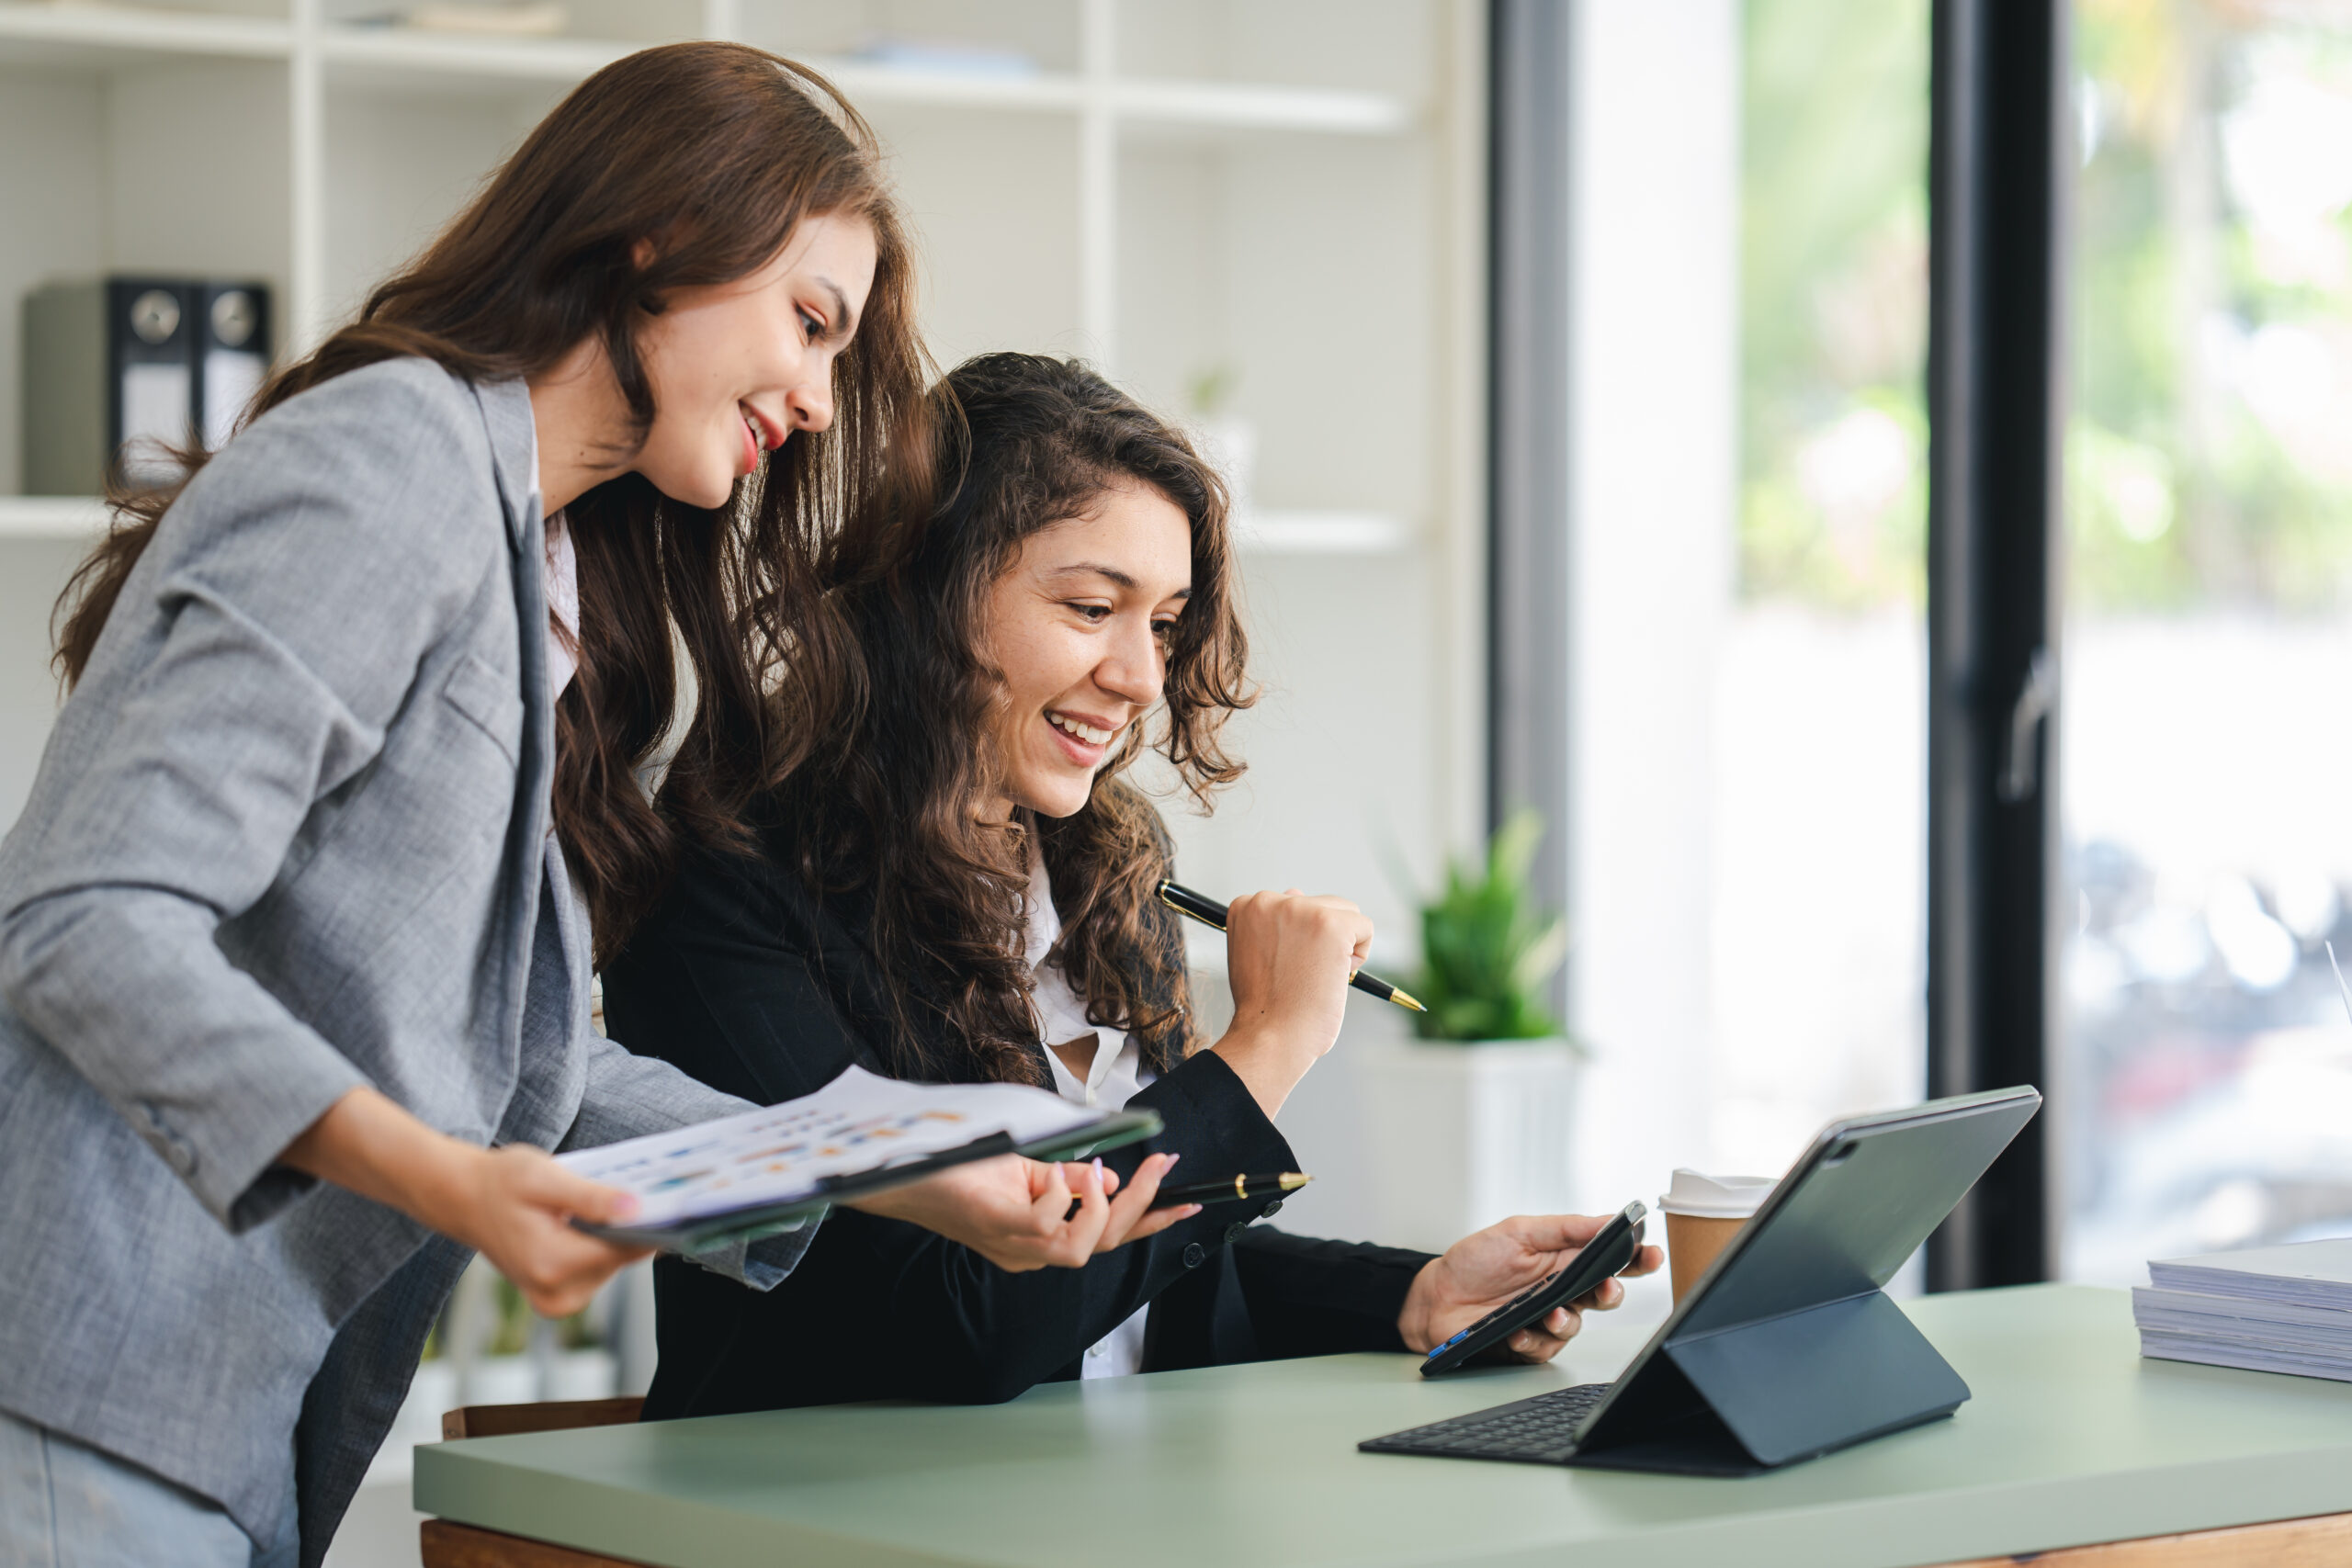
x,y
444,1544
2322,1542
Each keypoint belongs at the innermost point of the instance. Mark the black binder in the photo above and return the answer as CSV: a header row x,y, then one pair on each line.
x,y
232,355
119,369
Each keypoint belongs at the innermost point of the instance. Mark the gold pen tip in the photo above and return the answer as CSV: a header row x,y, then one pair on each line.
x,y
1293,1181
1404,999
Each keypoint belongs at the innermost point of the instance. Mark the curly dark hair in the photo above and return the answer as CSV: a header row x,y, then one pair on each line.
x,y
884,806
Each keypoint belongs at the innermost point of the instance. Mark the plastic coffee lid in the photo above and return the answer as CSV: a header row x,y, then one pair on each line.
x,y
1715,1197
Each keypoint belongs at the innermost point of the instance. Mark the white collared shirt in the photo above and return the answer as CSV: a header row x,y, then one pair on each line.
x,y
563,607
562,587
1116,1075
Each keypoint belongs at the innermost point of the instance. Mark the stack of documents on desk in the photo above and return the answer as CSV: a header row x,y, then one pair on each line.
x,y
2269,1309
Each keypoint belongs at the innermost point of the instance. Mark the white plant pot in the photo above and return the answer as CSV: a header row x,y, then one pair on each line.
x,y
590,1373
1465,1135
431,1394
501,1380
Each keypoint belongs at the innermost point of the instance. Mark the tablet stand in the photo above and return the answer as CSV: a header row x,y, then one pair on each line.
x,y
1738,1400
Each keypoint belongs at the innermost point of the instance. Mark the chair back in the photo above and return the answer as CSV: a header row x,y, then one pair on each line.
x,y
548,1415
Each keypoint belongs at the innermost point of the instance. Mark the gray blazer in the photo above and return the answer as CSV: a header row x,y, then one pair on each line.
x,y
291,835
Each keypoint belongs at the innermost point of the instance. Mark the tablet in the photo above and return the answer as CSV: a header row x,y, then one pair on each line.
x,y
1613,1248
1786,1346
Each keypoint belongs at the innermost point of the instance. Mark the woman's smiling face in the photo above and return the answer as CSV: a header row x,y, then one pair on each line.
x,y
1078,628
736,368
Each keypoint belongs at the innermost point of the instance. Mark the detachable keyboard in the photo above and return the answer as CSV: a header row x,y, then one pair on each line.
x,y
1541,1430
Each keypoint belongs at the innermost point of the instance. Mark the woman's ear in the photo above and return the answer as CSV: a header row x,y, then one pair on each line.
x,y
641,254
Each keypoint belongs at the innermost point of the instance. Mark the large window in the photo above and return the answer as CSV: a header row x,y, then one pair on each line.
x,y
2206,754
1747,763
1818,949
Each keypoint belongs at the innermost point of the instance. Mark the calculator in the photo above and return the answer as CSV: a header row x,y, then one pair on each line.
x,y
1612,1249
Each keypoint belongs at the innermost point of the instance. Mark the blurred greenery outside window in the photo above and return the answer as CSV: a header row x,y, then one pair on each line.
x,y
2207,463
1834,302
2207,517
2209,549
2212,301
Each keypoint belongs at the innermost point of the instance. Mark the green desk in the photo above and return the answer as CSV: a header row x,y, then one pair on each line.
x,y
2070,1438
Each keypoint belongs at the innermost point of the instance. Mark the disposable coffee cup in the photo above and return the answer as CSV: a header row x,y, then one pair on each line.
x,y
1701,1213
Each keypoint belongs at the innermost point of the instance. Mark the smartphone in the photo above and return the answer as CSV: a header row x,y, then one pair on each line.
x,y
1614,1248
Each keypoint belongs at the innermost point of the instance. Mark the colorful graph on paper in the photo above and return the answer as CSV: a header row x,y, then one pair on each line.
x,y
858,1122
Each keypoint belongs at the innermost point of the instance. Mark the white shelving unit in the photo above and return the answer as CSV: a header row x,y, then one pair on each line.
x,y
1287,190
84,518
317,52
1290,192
75,518
1323,533
319,55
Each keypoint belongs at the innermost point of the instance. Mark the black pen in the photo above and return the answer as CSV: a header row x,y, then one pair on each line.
x,y
1211,913
1232,1190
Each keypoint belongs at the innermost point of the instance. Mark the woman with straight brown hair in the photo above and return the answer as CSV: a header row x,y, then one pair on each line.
x,y
297,927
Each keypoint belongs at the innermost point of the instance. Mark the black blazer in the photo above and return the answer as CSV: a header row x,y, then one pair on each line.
x,y
751,982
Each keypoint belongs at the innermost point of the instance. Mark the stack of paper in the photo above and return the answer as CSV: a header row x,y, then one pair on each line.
x,y
2269,1309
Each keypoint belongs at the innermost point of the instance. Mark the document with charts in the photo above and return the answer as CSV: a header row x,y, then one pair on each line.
x,y
763,1170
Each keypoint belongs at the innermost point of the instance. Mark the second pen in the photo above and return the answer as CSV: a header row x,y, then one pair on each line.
x,y
1214,914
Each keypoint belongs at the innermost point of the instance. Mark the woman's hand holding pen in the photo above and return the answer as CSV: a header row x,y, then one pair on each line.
x,y
1021,1214
1288,958
1487,1267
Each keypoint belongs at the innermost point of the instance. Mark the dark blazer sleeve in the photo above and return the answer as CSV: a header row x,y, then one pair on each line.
x,y
742,980
1274,1295
1308,1297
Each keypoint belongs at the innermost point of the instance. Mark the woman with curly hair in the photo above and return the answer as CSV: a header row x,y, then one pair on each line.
x,y
957,884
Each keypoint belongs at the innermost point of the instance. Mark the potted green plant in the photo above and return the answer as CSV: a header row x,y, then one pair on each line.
x,y
1487,949
1471,1121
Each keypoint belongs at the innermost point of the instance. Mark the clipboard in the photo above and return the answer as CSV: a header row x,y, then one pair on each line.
x,y
690,1177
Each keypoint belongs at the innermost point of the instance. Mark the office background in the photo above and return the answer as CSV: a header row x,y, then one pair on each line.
x,y
1577,359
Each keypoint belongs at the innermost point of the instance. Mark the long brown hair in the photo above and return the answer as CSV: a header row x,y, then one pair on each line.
x,y
884,803
715,152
